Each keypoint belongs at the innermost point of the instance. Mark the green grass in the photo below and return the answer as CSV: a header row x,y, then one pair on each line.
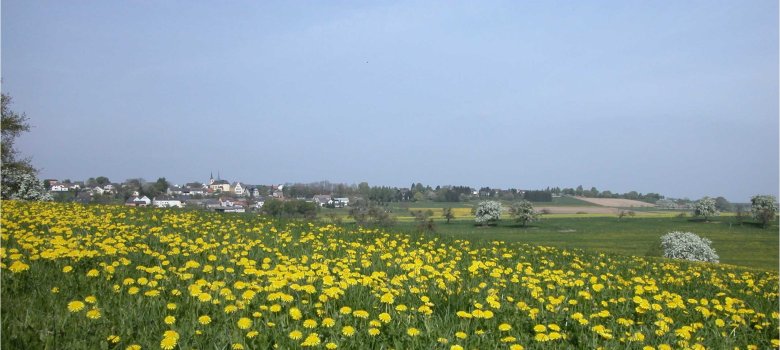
x,y
744,245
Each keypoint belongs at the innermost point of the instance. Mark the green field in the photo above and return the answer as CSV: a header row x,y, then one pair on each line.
x,y
114,277
745,245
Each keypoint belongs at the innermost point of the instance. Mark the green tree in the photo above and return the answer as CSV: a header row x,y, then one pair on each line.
x,y
102,180
19,178
447,214
161,185
722,204
273,207
523,212
12,124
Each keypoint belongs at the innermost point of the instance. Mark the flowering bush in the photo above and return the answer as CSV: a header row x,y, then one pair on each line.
x,y
764,208
688,246
23,185
705,207
488,213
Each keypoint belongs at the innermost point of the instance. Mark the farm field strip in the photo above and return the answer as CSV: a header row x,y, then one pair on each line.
x,y
83,277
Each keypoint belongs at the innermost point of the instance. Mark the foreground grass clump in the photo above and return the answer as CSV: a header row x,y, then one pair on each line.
x,y
87,277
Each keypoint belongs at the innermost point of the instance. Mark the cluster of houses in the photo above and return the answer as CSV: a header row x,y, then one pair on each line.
x,y
217,195
56,186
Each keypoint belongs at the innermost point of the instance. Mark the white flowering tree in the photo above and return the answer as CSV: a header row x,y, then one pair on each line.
x,y
705,207
523,212
23,185
688,246
764,209
488,213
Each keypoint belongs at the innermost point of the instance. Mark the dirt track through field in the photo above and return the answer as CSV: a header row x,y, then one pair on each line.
x,y
577,210
616,202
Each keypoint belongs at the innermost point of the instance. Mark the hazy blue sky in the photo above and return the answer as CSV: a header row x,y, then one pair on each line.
x,y
675,97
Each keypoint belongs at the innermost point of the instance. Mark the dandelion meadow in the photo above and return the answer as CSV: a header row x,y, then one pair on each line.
x,y
110,277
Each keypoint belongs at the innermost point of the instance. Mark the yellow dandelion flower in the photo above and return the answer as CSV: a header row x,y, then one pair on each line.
x,y
93,273
309,323
18,266
237,346
456,347
385,317
67,269
509,339
171,306
312,339
460,335
516,347
75,306
169,320
373,331
296,313
204,320
541,337
331,346
360,314
244,323
345,310
113,339
252,334
348,331
295,335
412,332
540,328
387,298
464,314
504,327
328,322
93,314
133,347
248,294
168,343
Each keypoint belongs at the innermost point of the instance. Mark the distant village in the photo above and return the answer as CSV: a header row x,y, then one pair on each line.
x,y
221,195
215,195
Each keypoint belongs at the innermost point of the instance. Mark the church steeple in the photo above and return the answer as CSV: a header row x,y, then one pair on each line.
x,y
211,178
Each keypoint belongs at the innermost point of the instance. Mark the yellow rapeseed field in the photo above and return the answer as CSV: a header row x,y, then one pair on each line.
x,y
109,277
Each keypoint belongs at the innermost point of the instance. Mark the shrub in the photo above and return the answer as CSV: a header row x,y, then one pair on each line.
x,y
688,246
368,213
764,209
488,213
